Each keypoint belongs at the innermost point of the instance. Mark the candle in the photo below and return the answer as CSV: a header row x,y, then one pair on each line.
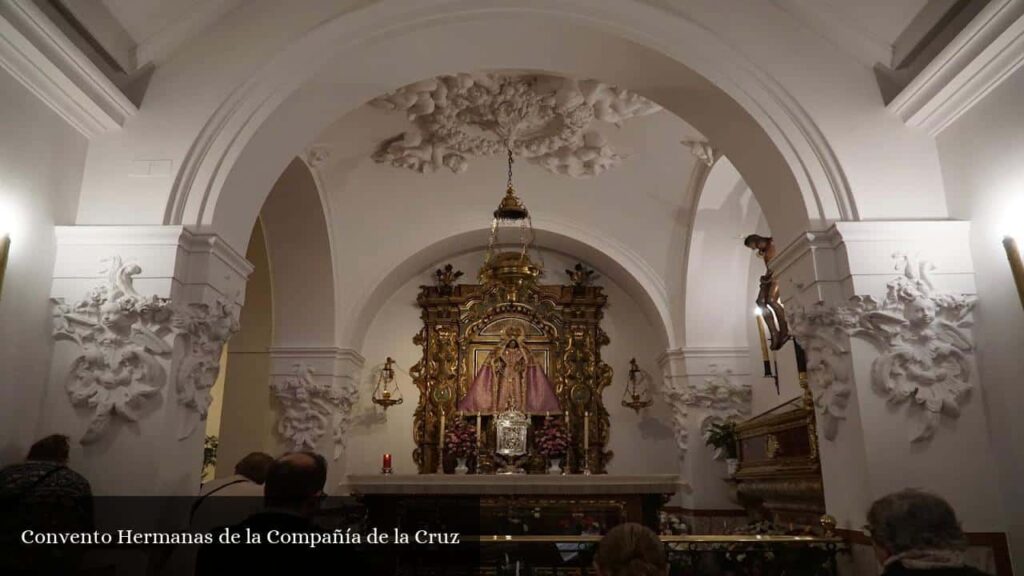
x,y
586,433
759,320
1016,265
479,438
441,449
387,461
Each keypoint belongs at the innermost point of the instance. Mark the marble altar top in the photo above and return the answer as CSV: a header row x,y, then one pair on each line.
x,y
526,484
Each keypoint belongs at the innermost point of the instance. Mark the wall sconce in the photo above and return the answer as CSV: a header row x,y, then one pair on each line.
x,y
636,395
5,248
386,393
1012,254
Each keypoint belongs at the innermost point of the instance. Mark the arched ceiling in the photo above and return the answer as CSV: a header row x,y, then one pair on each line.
x,y
388,222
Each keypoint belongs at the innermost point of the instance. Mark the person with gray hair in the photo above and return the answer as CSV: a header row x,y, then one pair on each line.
x,y
917,533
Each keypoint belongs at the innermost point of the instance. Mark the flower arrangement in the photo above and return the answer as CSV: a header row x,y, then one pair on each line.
x,y
460,439
552,439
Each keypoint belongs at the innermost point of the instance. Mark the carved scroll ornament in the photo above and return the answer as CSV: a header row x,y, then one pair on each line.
x,y
719,395
203,329
924,342
125,340
122,338
546,119
308,409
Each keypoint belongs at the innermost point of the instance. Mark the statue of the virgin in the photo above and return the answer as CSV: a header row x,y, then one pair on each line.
x,y
510,378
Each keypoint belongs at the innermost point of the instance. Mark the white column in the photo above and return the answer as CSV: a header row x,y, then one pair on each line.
x,y
141,314
704,386
883,311
314,390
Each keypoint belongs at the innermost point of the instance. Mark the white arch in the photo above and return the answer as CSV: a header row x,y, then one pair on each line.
x,y
687,69
300,253
717,263
615,261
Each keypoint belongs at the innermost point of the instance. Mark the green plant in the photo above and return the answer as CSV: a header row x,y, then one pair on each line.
x,y
722,436
209,452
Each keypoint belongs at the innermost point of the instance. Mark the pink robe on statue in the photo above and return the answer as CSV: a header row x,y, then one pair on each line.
x,y
540,395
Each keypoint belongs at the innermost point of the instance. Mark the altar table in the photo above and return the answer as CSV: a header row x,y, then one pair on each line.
x,y
518,504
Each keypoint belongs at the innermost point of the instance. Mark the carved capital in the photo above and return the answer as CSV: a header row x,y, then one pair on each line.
x,y
923,339
308,408
203,329
826,345
719,395
124,342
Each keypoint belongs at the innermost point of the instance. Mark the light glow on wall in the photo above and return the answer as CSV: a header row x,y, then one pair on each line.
x,y
12,216
1011,216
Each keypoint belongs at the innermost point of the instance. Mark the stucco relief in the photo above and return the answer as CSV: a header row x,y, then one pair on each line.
x,y
719,396
546,119
123,339
819,331
923,339
702,151
308,409
204,330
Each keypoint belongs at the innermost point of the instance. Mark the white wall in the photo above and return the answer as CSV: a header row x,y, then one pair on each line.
x,y
41,160
642,444
983,165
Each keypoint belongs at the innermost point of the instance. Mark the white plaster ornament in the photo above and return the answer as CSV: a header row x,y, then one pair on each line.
x,y
309,408
923,339
204,329
546,119
123,340
719,396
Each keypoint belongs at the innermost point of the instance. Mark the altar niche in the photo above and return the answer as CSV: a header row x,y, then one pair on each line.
x,y
509,342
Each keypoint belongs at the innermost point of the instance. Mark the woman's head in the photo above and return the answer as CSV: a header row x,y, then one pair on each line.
x,y
631,550
913,520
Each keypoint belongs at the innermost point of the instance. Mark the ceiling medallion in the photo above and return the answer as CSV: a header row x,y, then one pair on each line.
x,y
549,120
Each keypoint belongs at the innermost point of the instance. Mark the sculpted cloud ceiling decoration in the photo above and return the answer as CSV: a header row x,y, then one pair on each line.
x,y
549,120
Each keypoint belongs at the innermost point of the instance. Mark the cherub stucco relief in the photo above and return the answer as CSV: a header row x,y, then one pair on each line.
x,y
925,344
923,339
719,397
123,339
550,120
308,408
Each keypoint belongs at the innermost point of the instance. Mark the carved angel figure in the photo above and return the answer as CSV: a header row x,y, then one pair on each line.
x,y
307,407
122,338
580,275
925,344
923,338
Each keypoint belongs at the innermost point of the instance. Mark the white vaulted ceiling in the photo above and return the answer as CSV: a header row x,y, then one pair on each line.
x,y
637,212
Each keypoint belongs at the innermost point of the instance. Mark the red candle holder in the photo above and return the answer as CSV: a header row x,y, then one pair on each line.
x,y
386,464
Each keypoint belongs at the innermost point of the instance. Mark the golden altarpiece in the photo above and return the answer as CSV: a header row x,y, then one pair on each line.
x,y
464,324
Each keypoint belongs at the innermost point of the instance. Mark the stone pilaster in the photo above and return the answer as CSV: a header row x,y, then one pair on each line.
x,y
141,315
883,310
315,389
704,386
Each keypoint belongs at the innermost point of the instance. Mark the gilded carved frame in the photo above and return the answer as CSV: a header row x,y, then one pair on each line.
x,y
460,321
